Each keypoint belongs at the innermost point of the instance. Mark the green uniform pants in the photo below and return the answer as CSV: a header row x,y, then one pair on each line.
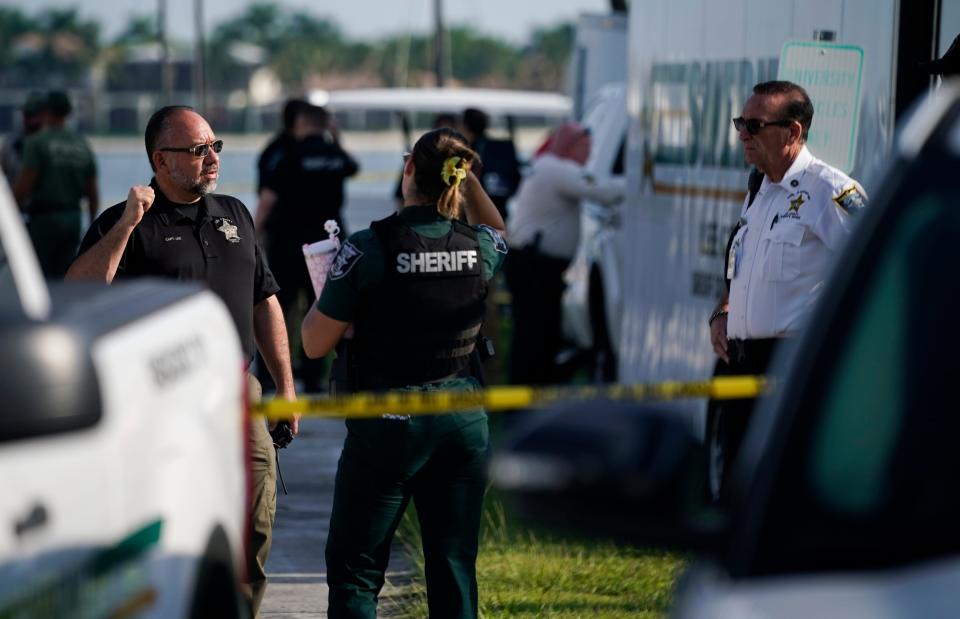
x,y
55,238
438,461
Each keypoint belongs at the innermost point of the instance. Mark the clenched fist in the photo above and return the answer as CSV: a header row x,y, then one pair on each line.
x,y
139,200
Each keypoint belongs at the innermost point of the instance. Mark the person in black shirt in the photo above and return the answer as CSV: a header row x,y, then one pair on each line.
x,y
501,168
302,192
177,228
281,143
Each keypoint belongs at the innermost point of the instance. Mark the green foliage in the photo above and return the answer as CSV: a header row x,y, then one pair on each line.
x,y
296,43
522,574
13,23
554,43
139,30
302,49
56,45
474,56
299,46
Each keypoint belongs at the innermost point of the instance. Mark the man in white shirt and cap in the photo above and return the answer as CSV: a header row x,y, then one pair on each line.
x,y
787,235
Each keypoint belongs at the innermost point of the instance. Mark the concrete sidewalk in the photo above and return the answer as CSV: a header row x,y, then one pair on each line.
x,y
297,588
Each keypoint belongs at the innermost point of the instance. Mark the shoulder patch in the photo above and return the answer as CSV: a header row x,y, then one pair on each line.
x,y
348,256
499,244
851,199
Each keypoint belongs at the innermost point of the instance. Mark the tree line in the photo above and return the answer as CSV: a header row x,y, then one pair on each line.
x,y
59,46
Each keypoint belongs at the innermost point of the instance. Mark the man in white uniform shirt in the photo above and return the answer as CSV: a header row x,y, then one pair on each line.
x,y
788,233
545,230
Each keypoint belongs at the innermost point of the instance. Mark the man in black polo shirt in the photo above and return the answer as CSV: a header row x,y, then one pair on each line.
x,y
177,228
303,191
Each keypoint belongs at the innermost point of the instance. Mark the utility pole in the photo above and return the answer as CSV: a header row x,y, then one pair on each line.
x,y
166,68
439,54
199,59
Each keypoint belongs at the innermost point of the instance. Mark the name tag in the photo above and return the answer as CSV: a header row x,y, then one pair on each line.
x,y
736,253
436,261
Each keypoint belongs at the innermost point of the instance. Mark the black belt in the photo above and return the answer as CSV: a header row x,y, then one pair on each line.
x,y
741,351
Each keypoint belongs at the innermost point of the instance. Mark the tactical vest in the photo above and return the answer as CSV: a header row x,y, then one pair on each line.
x,y
421,323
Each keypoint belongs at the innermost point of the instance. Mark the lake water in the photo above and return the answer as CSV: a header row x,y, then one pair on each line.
x,y
369,195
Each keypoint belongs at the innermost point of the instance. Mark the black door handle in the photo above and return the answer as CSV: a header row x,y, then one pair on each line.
x,y
36,518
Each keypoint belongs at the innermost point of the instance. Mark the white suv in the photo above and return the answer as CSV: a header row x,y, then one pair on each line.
x,y
122,427
593,299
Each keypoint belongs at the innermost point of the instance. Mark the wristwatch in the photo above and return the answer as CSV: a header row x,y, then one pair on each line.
x,y
720,311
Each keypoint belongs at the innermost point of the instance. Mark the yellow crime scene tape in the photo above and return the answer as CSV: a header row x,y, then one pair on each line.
x,y
376,404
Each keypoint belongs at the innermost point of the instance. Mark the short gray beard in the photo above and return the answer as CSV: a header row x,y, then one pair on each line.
x,y
195,187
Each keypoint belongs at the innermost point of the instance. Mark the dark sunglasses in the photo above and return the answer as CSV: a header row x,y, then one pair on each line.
x,y
199,150
754,125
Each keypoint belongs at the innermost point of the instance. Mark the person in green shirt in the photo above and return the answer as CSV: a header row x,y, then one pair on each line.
x,y
413,286
59,170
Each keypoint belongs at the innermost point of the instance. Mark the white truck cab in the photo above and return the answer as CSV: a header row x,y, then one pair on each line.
x,y
122,445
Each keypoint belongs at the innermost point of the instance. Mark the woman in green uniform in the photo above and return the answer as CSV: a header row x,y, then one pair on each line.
x,y
413,286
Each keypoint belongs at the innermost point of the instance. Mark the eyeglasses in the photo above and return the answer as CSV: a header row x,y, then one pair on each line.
x,y
406,156
198,150
754,125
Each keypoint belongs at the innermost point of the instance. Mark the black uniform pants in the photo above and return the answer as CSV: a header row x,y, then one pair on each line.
x,y
440,462
536,290
727,420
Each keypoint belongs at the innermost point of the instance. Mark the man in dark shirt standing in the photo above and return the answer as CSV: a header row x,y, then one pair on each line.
x,y
177,228
274,152
500,175
59,171
304,190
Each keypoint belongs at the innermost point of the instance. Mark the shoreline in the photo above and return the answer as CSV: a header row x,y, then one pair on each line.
x,y
386,141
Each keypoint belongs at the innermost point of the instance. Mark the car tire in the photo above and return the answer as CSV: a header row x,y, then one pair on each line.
x,y
716,448
604,359
216,592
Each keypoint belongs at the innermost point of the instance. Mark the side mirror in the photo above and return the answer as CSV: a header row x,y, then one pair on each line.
x,y
618,470
50,384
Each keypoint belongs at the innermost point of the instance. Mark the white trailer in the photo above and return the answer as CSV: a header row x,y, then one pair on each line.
x,y
691,67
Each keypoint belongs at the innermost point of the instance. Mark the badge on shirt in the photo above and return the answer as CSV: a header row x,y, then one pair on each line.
x,y
498,243
851,200
796,200
348,256
230,231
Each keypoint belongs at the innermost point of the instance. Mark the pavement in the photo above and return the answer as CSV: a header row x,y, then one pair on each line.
x,y
296,569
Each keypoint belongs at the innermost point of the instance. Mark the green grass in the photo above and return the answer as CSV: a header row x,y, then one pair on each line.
x,y
525,573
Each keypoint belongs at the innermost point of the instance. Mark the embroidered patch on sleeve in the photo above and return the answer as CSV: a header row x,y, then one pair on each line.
x,y
499,244
851,200
348,256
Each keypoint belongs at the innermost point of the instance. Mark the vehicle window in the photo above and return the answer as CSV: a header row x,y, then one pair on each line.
x,y
9,298
868,472
597,108
617,169
864,405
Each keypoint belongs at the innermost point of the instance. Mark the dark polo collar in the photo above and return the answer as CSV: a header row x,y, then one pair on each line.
x,y
420,212
171,213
